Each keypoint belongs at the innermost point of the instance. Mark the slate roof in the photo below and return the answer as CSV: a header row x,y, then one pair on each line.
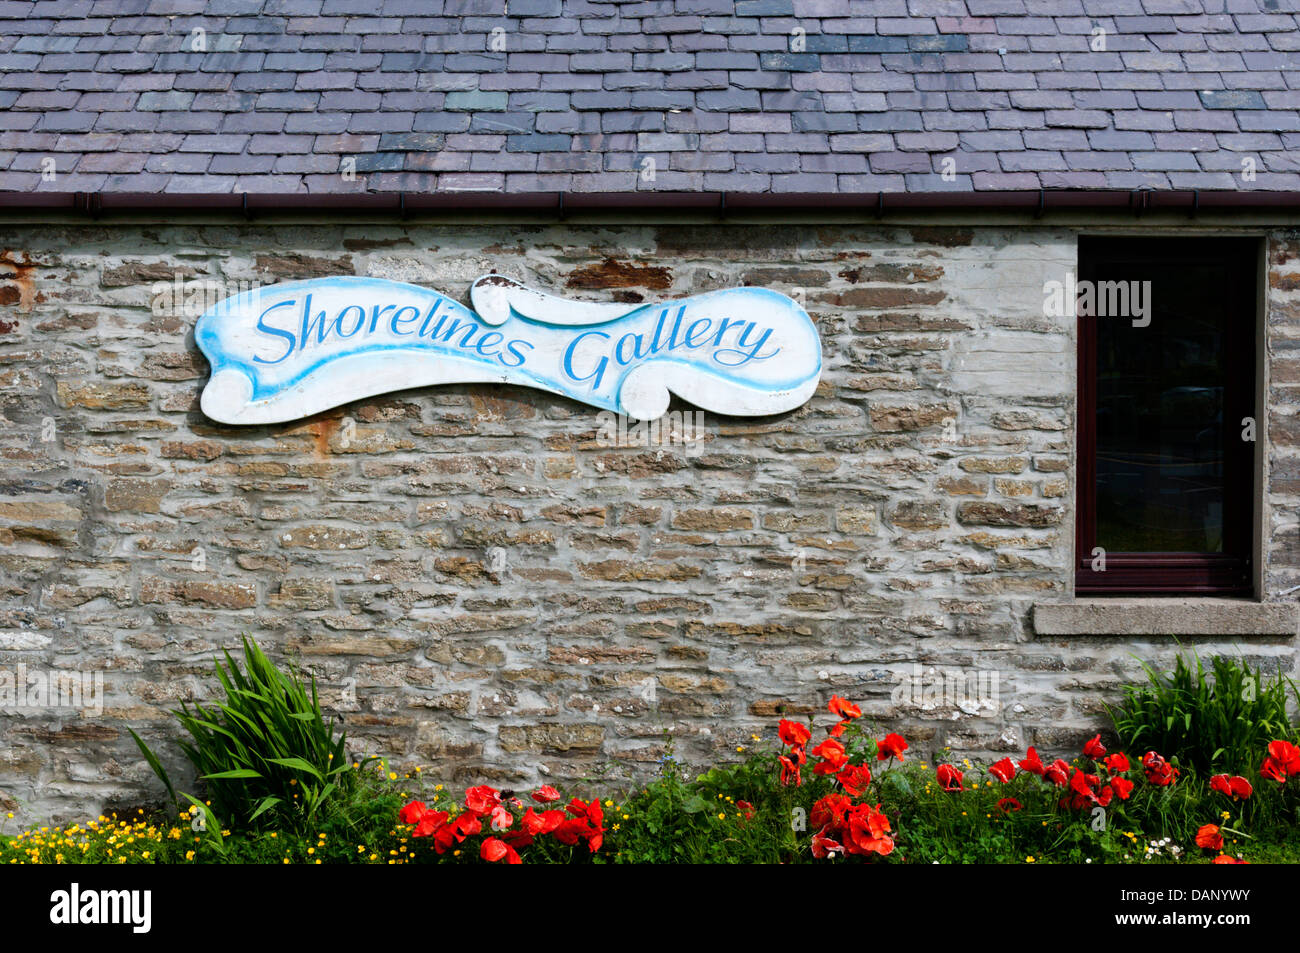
x,y
785,96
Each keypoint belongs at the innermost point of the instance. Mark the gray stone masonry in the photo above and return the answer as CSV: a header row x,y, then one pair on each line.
x,y
485,588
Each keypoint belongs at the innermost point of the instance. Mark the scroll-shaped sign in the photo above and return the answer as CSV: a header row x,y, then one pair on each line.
x,y
292,350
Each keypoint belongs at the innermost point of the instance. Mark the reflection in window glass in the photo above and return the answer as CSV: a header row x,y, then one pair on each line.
x,y
1160,415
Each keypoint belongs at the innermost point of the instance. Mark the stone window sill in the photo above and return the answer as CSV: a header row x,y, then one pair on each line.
x,y
1166,616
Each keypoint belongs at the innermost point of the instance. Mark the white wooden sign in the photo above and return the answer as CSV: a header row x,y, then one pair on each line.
x,y
292,350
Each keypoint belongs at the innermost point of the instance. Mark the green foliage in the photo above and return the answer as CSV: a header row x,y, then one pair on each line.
x,y
704,819
731,814
361,832
266,754
279,778
1216,720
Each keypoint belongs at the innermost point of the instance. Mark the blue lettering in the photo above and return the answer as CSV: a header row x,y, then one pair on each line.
x,y
598,373
513,348
636,341
655,344
677,325
308,322
722,329
486,341
375,312
361,319
691,332
439,334
398,319
429,317
278,332
744,351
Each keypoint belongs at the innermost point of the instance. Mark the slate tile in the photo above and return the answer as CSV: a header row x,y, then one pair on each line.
x,y
159,101
1276,120
70,120
1005,181
1232,99
1009,88
1137,179
253,121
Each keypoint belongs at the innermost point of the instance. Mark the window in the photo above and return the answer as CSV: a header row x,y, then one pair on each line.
x,y
1166,458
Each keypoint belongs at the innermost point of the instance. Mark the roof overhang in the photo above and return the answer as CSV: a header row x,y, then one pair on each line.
x,y
707,206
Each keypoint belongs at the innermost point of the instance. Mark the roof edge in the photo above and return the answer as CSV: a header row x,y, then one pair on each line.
x,y
97,204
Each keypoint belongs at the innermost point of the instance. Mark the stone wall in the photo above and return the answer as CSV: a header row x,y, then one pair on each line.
x,y
483,584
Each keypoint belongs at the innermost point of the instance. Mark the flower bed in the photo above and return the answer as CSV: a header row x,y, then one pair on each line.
x,y
849,797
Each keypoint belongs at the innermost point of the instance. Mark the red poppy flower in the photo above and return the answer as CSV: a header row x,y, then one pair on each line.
x,y
546,794
837,729
412,813
445,836
854,779
832,754
482,799
892,746
830,750
1085,792
1082,782
587,823
1058,772
877,821
570,831
1209,837
1117,763
591,811
543,823
1228,859
1032,764
843,709
494,849
501,818
793,733
1009,805
595,838
823,846
746,809
1234,787
790,770
430,823
1287,755
1003,770
518,839
828,812
1273,771
1123,787
867,831
1159,771
1094,749
949,778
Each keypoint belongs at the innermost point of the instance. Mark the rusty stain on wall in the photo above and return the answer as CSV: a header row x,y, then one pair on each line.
x,y
612,273
17,285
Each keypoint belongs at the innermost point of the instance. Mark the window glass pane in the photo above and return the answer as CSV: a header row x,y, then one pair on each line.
x,y
1160,410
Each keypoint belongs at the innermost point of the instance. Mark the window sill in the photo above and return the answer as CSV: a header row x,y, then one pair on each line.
x,y
1166,616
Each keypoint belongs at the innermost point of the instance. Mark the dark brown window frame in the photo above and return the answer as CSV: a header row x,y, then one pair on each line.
x,y
1228,573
